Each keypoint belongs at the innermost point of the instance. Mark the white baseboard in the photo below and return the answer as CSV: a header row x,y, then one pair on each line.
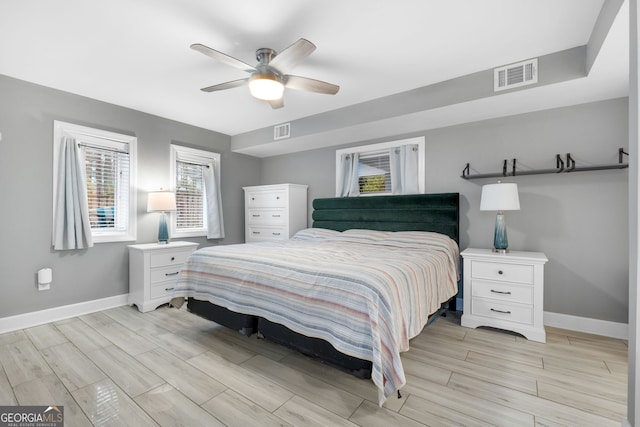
x,y
585,324
28,320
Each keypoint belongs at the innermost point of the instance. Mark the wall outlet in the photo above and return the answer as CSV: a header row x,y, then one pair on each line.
x,y
44,286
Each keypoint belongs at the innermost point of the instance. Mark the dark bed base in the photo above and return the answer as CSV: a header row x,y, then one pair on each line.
x,y
244,323
248,325
314,347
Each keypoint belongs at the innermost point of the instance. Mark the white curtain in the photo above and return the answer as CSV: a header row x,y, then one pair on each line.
x,y
348,176
72,229
403,165
215,223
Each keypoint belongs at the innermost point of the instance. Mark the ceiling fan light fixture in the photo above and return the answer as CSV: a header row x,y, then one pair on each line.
x,y
270,76
266,87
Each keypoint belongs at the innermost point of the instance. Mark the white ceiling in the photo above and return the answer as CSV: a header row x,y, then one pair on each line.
x,y
136,53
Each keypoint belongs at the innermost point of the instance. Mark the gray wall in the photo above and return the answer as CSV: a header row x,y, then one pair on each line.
x,y
579,220
27,112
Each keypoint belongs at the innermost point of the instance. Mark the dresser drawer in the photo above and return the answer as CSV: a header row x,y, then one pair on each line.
x,y
163,274
162,289
503,311
266,233
267,199
517,273
502,291
169,258
266,216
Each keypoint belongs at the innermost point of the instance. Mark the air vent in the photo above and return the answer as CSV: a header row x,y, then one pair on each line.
x,y
282,131
515,75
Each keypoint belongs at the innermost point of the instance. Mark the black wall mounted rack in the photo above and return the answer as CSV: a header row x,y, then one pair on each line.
x,y
562,166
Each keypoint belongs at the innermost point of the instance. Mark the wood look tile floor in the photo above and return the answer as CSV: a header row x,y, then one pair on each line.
x,y
168,367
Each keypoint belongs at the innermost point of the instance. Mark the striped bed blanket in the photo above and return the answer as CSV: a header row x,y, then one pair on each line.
x,y
366,292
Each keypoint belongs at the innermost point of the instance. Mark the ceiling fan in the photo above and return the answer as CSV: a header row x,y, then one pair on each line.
x,y
270,76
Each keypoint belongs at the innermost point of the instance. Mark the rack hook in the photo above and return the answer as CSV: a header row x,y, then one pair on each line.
x,y
465,171
559,163
620,153
571,164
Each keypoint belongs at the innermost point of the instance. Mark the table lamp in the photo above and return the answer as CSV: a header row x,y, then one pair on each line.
x,y
500,197
162,201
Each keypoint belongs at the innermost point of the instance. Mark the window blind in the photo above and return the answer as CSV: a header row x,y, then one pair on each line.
x,y
374,172
107,188
190,196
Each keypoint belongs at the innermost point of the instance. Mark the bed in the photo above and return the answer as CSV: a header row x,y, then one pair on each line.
x,y
326,291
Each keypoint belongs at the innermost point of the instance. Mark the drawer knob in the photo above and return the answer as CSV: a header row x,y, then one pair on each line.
x,y
501,292
276,216
255,232
500,311
169,289
173,258
500,272
253,198
172,274
277,197
256,215
276,234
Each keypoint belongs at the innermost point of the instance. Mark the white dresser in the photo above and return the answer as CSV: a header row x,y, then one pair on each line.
x,y
153,272
505,291
274,212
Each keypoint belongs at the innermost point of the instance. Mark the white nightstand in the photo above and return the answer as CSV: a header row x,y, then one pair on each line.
x,y
153,272
504,291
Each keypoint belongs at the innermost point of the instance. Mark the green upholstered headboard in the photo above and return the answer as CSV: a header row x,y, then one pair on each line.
x,y
416,212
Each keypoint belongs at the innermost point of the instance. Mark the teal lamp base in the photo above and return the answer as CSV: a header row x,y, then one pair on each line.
x,y
163,230
500,241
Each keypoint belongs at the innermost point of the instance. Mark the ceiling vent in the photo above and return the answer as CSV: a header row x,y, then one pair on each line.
x,y
515,75
282,131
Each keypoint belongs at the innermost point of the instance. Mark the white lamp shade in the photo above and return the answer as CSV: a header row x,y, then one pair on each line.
x,y
161,201
500,197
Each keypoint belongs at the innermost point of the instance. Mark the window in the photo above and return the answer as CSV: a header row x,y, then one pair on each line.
x,y
188,181
375,173
110,160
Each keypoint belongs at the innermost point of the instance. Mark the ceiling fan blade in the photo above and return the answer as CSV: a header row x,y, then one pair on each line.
x,y
277,103
310,85
292,55
222,57
223,86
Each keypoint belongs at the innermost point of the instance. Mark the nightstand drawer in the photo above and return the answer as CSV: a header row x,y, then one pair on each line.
x,y
169,258
267,199
162,289
498,310
267,233
517,273
165,273
266,216
502,291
